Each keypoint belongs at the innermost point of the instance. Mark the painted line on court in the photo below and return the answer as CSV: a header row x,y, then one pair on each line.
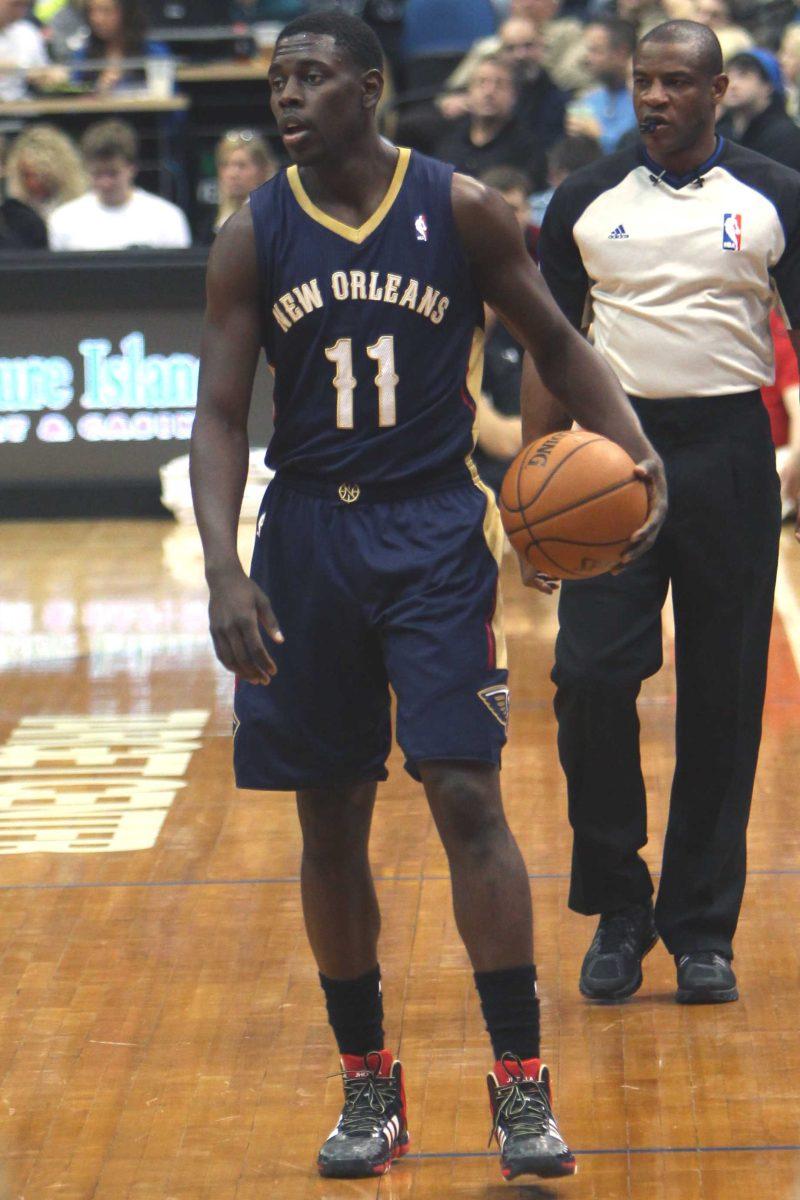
x,y
626,1150
277,879
178,883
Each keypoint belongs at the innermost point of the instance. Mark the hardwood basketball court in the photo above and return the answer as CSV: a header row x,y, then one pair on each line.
x,y
163,1033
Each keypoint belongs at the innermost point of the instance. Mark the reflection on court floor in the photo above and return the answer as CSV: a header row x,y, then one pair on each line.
x,y
163,1035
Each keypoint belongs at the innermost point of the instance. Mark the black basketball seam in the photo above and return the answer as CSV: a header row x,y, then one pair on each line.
x,y
552,474
580,542
549,557
615,487
565,571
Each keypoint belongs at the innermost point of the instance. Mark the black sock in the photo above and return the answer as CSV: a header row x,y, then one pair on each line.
x,y
355,1011
510,1010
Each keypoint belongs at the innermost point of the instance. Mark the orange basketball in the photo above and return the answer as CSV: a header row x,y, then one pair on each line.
x,y
570,502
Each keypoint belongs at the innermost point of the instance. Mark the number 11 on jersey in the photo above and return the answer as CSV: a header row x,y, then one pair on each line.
x,y
341,353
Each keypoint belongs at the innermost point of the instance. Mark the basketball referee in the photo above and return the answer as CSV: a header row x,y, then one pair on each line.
x,y
673,251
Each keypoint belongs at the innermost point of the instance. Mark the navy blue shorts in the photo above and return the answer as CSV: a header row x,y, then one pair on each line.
x,y
373,594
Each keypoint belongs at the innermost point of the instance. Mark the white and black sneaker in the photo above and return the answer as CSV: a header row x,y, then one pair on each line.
x,y
523,1124
371,1131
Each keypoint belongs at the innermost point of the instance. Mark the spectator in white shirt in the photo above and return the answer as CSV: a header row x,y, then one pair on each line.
x,y
115,214
22,49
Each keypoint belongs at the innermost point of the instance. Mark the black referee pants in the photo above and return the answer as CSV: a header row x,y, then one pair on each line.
x,y
719,549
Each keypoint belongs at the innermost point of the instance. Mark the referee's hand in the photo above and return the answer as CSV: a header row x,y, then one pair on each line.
x,y
651,472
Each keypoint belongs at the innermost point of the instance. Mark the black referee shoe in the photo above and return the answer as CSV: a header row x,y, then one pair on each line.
x,y
705,977
612,968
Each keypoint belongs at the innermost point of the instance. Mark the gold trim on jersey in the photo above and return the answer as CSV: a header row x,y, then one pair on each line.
x,y
351,232
492,525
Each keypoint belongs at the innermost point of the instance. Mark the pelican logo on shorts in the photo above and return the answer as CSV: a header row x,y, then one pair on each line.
x,y
349,492
498,701
421,226
732,231
260,524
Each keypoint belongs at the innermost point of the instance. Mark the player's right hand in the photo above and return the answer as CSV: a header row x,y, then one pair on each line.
x,y
537,579
238,611
651,472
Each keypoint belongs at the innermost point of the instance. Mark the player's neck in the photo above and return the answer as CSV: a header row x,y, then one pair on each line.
x,y
355,182
687,159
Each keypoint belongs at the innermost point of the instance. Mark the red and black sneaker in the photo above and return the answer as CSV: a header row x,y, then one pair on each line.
x,y
523,1122
372,1130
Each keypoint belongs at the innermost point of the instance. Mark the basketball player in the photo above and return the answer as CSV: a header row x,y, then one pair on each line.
x,y
680,245
362,271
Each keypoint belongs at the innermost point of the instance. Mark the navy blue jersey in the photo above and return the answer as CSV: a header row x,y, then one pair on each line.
x,y
374,334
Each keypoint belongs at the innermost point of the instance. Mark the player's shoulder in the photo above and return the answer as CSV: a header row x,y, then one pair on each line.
x,y
234,256
574,195
425,166
777,183
270,203
270,186
478,211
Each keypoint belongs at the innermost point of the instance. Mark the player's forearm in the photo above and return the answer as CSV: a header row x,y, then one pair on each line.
x,y
589,391
540,411
218,473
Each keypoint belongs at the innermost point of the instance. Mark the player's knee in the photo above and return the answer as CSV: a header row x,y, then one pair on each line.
x,y
334,822
468,813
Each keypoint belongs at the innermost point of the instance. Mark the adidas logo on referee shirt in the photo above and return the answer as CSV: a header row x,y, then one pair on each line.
x,y
618,234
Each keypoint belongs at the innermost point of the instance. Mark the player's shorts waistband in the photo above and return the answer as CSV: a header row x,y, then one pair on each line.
x,y
350,491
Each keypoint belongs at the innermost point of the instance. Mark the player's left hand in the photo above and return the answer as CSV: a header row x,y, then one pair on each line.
x,y
651,472
537,579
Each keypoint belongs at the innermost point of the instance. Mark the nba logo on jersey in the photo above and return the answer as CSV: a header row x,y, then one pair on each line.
x,y
421,226
732,231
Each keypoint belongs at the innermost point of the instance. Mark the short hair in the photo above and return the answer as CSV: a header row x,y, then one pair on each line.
x,y
571,153
494,60
699,38
506,179
110,139
621,34
349,33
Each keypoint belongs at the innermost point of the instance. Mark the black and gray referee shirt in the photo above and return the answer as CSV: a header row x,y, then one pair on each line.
x,y
677,276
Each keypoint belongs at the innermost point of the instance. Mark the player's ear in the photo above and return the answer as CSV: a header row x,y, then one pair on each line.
x,y
372,87
719,86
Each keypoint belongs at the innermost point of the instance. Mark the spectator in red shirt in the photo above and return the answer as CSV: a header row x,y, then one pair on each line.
x,y
782,400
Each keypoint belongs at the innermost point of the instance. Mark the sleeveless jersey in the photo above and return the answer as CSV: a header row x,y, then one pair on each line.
x,y
374,334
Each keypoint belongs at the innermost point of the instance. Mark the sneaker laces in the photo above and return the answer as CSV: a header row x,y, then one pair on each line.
x,y
367,1098
523,1103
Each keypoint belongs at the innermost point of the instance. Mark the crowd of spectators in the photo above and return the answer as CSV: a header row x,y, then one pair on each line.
x,y
538,86
517,92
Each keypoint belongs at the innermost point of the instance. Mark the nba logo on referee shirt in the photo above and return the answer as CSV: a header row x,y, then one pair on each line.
x,y
732,231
